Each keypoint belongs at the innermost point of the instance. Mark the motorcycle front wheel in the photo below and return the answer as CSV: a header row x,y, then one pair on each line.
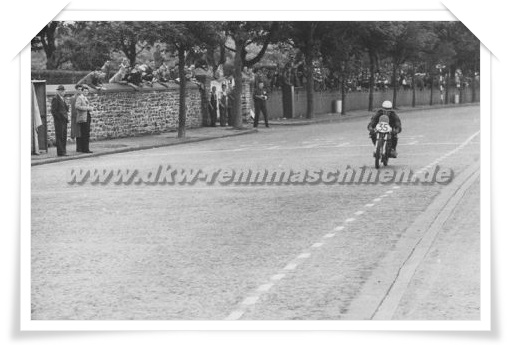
x,y
378,151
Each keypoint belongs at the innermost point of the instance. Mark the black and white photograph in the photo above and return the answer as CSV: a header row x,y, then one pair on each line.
x,y
255,170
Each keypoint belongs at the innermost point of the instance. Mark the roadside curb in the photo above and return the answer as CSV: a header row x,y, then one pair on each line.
x,y
140,148
341,118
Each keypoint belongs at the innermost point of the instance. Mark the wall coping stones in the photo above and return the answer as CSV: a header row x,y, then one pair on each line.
x,y
51,90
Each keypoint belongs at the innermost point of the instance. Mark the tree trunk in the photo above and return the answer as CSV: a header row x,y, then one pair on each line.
x,y
238,87
447,84
474,86
413,88
431,91
343,95
396,85
371,81
51,61
309,68
181,132
47,37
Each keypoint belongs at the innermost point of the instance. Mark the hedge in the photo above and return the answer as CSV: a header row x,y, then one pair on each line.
x,y
55,77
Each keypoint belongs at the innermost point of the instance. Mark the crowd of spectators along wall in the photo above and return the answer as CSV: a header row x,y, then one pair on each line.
x,y
119,111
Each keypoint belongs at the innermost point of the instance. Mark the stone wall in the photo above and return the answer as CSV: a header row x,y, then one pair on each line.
x,y
120,111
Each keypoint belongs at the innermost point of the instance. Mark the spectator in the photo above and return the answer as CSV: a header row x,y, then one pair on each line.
x,y
59,110
213,106
225,106
147,73
125,63
162,75
83,118
94,80
108,69
134,77
260,97
119,77
75,128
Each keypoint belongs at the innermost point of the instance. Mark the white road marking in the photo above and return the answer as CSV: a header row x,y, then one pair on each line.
x,y
250,300
278,276
235,315
265,287
291,266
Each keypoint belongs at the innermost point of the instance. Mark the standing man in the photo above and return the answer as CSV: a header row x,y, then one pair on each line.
x,y
213,106
225,104
260,97
59,110
75,128
83,118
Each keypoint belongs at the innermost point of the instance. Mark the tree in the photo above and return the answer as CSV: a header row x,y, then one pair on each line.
x,y
83,48
406,40
306,36
183,38
340,48
373,38
243,34
47,39
127,37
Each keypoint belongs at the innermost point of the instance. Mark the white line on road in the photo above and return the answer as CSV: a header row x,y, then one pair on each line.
x,y
265,287
235,315
278,276
251,300
291,266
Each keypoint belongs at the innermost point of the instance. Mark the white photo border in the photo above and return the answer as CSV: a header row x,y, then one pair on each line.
x,y
483,324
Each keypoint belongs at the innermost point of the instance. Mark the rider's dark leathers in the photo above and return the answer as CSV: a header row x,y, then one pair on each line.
x,y
394,122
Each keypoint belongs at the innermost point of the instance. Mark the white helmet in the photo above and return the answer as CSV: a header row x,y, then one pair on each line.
x,y
386,105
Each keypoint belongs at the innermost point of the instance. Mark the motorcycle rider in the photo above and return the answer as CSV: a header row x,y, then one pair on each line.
x,y
394,122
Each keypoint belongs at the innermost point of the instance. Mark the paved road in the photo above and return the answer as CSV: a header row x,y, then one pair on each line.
x,y
264,252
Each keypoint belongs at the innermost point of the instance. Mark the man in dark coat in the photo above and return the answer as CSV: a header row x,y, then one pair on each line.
x,y
225,106
260,97
59,110
213,106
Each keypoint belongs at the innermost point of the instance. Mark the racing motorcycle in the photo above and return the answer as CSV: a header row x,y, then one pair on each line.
x,y
383,143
